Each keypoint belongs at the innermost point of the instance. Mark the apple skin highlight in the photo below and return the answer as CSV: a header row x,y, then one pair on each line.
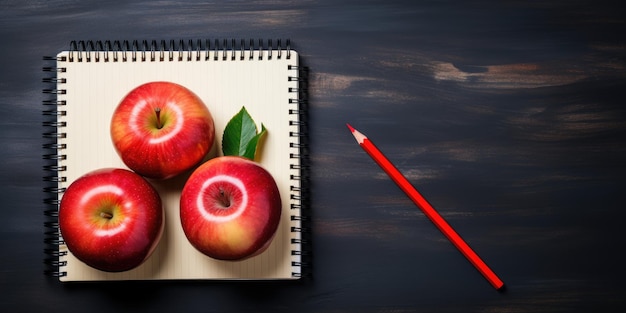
x,y
111,219
161,129
230,208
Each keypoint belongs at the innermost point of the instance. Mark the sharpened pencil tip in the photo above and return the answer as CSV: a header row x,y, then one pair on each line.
x,y
357,135
350,127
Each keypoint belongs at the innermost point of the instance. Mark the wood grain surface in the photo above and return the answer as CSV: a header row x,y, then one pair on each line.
x,y
508,116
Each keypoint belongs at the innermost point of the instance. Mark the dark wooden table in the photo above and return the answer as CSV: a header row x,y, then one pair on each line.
x,y
509,116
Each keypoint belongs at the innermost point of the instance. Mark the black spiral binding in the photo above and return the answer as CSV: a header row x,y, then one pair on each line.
x,y
153,51
300,194
53,172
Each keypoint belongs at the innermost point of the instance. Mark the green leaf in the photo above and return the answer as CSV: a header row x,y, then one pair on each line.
x,y
240,135
251,149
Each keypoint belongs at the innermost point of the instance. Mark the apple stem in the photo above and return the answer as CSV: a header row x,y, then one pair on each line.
x,y
157,111
225,199
106,215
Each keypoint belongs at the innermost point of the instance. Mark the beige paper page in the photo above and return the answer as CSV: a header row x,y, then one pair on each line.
x,y
94,89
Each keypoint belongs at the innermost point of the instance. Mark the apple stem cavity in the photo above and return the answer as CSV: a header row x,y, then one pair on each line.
x,y
224,199
106,215
157,111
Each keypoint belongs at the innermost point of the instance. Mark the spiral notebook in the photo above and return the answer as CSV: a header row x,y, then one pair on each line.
x,y
86,83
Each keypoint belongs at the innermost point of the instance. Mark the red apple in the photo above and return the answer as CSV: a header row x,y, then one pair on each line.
x,y
111,219
161,129
230,208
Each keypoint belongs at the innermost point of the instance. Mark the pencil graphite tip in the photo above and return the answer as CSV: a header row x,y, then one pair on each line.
x,y
357,135
350,127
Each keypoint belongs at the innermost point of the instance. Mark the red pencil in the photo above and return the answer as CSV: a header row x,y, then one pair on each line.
x,y
428,210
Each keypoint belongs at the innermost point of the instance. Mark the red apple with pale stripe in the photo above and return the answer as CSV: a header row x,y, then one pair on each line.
x,y
111,219
161,129
230,208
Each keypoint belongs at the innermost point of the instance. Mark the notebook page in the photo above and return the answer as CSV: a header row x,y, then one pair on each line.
x,y
94,89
